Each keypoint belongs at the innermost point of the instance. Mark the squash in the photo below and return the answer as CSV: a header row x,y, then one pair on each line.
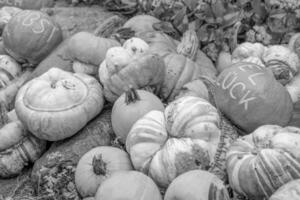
x,y
82,46
141,23
294,43
247,49
9,70
261,162
18,147
128,185
179,69
194,88
183,138
97,165
117,74
290,190
28,4
224,61
194,184
250,96
56,168
30,36
58,104
133,103
80,67
283,62
135,46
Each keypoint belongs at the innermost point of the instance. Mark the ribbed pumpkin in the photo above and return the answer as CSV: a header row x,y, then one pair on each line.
x,y
18,147
246,50
290,191
197,184
183,138
30,36
120,70
179,68
9,70
98,164
250,96
259,163
57,104
128,185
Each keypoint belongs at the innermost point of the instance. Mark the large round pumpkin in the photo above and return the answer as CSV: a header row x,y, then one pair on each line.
x,y
183,138
290,191
197,185
259,163
98,164
250,96
128,185
133,103
57,104
30,36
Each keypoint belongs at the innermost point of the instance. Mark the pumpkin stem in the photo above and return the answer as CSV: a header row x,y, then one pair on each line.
x,y
99,166
131,96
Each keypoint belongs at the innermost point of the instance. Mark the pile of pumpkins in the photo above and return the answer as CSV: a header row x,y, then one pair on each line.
x,y
164,113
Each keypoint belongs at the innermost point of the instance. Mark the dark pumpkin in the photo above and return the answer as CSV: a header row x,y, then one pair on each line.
x,y
30,36
250,96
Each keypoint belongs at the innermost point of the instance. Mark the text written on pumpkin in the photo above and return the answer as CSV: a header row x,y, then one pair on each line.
x,y
12,2
234,86
37,23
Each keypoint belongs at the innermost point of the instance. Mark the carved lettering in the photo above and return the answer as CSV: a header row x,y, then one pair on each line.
x,y
30,19
251,77
249,66
17,3
225,83
245,100
41,28
234,86
52,33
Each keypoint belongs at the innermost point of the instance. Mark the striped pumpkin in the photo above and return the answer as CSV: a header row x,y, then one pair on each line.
x,y
290,191
197,184
259,163
183,138
9,70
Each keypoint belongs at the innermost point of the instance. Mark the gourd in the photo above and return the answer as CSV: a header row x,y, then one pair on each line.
x,y
9,70
250,96
18,147
247,49
97,165
83,47
58,104
290,190
30,36
194,88
141,23
261,162
283,62
28,4
133,103
120,69
184,137
195,184
179,69
128,185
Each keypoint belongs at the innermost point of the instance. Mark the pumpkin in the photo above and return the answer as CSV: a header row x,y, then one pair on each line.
x,y
283,62
58,104
118,73
261,162
9,70
28,4
194,88
128,185
194,184
97,165
179,69
247,49
30,36
184,137
251,59
18,147
250,96
141,23
82,46
189,44
133,103
290,190
294,43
